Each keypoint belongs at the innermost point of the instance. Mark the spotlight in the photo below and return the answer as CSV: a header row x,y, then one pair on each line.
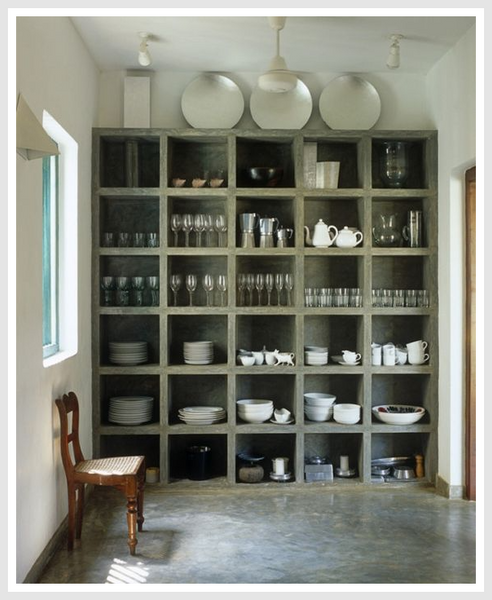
x,y
393,60
144,57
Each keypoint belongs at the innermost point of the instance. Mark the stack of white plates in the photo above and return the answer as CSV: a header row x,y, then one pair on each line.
x,y
128,353
201,415
198,353
130,410
315,355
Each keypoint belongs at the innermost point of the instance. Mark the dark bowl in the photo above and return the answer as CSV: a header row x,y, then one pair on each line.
x,y
265,176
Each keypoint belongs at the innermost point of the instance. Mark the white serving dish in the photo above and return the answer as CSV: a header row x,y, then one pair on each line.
x,y
398,418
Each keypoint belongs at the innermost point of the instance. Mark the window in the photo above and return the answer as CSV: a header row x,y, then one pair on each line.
x,y
50,256
60,229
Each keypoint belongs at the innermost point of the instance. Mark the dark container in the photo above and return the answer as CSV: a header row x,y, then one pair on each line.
x,y
198,462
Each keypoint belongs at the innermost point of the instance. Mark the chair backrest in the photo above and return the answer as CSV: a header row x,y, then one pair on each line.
x,y
66,405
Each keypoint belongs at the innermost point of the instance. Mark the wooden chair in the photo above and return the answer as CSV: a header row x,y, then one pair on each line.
x,y
125,473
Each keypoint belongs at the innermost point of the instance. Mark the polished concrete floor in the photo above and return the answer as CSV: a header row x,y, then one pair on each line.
x,y
281,536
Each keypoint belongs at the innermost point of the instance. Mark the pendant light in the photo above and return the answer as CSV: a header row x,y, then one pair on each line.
x,y
393,60
278,78
144,57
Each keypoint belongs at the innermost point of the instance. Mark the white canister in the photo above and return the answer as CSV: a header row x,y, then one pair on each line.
x,y
280,465
376,354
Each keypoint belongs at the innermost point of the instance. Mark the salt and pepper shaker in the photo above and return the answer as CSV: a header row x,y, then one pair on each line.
x,y
419,465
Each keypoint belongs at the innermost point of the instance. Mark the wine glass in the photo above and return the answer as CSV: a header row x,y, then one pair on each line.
x,y
138,284
222,287
209,228
199,224
176,224
259,285
220,225
279,286
208,285
269,282
289,284
175,283
250,286
241,286
187,226
191,283
153,284
108,285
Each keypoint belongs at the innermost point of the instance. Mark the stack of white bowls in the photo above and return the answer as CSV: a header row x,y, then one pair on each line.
x,y
198,353
128,353
255,410
318,406
315,355
347,414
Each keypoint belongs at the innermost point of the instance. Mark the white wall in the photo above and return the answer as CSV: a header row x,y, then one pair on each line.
x,y
54,73
452,97
403,98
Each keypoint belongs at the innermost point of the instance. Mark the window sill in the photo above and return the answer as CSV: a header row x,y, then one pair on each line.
x,y
58,358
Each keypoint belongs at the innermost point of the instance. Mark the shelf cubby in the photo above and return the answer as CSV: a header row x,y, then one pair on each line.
x,y
404,445
178,451
128,214
128,161
193,157
337,332
348,153
348,388
196,328
333,272
333,445
276,332
401,330
129,328
281,389
417,166
274,152
269,446
129,385
413,390
199,266
340,212
132,445
195,390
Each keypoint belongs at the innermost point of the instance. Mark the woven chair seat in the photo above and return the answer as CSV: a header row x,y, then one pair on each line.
x,y
118,465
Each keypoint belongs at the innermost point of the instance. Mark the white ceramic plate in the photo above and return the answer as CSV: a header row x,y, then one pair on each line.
x,y
212,101
290,110
350,102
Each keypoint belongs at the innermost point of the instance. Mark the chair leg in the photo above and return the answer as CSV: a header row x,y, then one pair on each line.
x,y
80,511
131,517
72,501
140,502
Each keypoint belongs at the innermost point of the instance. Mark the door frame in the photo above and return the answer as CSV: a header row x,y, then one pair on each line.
x,y
470,333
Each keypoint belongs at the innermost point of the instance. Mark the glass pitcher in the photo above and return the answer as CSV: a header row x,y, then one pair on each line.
x,y
385,232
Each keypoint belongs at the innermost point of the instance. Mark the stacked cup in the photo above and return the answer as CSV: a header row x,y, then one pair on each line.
x,y
416,352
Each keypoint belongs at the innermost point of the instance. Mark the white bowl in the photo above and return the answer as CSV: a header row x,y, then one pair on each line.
x,y
409,414
347,414
317,349
254,402
318,413
319,399
247,361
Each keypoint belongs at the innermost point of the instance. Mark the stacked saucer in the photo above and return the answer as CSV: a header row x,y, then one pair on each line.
x,y
128,353
315,355
201,415
198,353
130,410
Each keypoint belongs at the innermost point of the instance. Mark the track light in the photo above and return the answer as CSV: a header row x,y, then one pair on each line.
x,y
144,57
393,60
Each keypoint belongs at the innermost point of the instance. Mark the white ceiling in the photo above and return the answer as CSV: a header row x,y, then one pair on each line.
x,y
246,44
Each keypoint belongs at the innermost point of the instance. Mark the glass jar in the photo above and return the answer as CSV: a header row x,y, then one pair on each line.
x,y
394,164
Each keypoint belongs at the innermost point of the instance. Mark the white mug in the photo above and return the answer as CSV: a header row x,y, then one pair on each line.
x,y
351,357
376,354
401,356
416,352
389,355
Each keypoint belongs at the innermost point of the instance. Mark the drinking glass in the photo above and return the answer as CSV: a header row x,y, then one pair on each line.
x,y
176,224
108,240
108,285
209,228
423,298
259,285
250,286
399,298
123,291
175,283
220,226
289,285
269,283
138,285
199,224
191,283
222,287
208,285
153,240
187,226
153,285
139,240
123,240
241,286
279,286
411,298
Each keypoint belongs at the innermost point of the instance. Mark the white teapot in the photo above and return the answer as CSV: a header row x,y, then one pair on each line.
x,y
348,238
324,235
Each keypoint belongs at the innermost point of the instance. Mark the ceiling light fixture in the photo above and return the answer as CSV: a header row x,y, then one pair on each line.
x,y
393,60
144,57
278,78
